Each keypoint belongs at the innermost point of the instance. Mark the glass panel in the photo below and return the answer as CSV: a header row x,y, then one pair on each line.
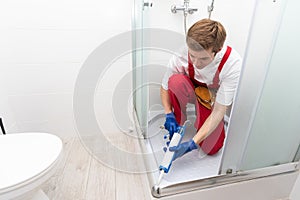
x,y
140,97
275,134
297,157
263,131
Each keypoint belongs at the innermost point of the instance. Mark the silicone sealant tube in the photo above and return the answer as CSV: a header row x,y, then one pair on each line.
x,y
166,163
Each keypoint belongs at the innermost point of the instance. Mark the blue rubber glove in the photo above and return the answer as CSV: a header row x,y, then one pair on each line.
x,y
183,148
171,124
166,147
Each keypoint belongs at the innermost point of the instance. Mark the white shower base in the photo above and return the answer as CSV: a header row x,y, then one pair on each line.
x,y
192,166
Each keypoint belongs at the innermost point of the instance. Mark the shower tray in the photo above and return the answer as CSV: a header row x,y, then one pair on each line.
x,y
195,171
188,170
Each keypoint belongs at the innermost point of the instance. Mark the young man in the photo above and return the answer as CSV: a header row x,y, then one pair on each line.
x,y
207,76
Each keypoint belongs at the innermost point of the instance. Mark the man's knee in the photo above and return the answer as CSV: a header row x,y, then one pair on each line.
x,y
177,79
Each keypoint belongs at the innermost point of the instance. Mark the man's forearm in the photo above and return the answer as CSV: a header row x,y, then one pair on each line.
x,y
164,95
211,123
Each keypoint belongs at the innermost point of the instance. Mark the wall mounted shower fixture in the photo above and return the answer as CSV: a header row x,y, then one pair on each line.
x,y
210,8
185,8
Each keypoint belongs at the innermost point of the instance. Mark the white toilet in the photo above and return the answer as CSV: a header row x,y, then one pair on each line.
x,y
27,160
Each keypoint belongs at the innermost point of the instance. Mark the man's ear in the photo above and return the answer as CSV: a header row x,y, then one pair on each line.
x,y
219,49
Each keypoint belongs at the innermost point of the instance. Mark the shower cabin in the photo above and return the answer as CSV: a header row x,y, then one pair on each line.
x,y
263,131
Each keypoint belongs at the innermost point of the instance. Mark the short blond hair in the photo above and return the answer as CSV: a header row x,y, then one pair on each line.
x,y
206,34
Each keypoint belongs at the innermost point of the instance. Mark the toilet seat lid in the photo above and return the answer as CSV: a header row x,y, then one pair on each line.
x,y
25,155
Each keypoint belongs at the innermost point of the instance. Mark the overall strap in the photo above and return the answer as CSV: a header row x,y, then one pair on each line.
x,y
192,74
216,79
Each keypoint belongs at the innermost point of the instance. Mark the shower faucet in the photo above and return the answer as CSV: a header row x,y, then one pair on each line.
x,y
185,8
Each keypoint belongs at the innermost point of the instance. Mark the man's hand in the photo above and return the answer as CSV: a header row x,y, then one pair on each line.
x,y
171,124
183,148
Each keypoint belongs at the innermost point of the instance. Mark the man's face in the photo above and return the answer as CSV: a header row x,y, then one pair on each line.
x,y
201,58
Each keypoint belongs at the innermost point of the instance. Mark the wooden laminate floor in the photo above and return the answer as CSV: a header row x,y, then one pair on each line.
x,y
81,177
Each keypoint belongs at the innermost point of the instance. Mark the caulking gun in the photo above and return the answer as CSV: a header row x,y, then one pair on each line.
x,y
165,165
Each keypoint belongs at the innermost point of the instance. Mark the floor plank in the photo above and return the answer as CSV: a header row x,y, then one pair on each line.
x,y
67,148
132,187
82,177
101,182
72,183
50,186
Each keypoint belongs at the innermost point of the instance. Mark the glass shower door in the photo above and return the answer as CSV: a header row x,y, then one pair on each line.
x,y
263,131
140,91
265,124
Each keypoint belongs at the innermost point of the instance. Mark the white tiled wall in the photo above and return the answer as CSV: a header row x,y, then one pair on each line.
x,y
42,47
112,102
233,14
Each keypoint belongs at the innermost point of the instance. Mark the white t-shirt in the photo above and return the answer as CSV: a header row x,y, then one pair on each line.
x,y
228,77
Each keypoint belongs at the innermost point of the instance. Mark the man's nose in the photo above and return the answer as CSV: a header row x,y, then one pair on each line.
x,y
197,62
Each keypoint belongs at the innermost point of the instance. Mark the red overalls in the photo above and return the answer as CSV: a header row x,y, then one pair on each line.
x,y
182,91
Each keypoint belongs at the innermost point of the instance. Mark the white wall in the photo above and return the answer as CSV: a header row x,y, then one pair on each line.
x,y
44,43
234,15
42,47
